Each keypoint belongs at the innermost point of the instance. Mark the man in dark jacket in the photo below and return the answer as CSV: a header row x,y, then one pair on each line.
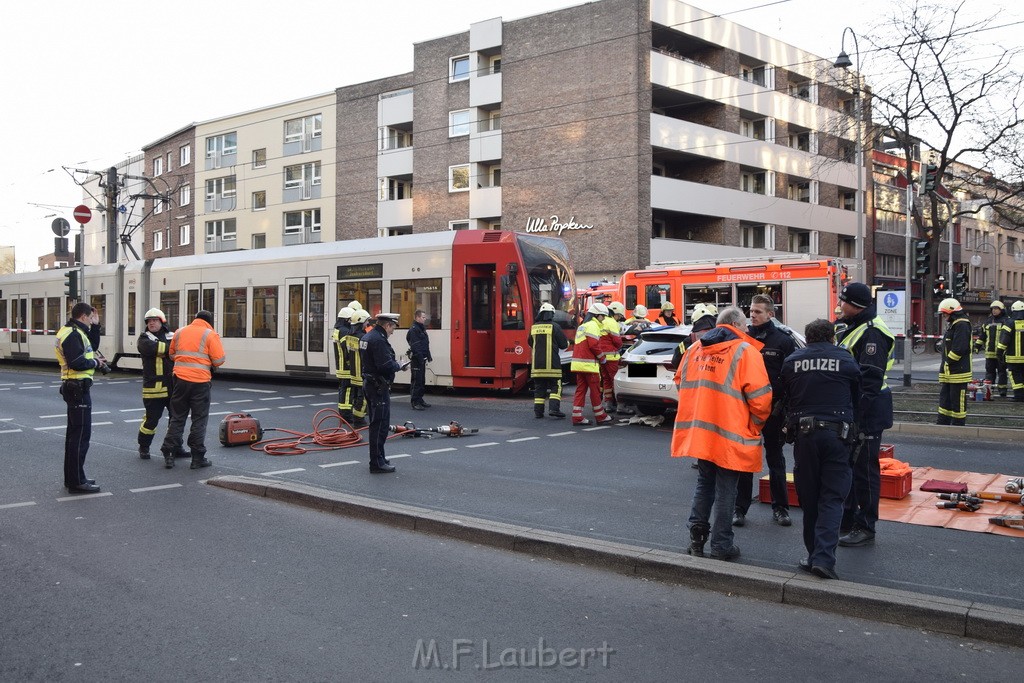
x,y
546,340
379,367
154,346
778,343
955,366
995,360
419,353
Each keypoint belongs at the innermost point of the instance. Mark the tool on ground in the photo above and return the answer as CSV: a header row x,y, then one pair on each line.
x,y
961,498
961,505
240,429
452,429
1015,485
1004,497
1012,521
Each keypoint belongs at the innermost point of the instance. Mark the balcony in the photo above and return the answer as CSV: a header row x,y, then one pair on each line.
x,y
485,202
394,162
485,146
394,213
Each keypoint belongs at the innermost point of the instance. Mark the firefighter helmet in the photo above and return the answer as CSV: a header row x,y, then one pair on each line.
x,y
355,305
598,309
949,306
155,313
999,305
361,316
617,307
1017,306
640,311
546,308
668,306
345,313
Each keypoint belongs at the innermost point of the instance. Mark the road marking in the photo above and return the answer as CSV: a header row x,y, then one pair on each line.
x,y
101,412
273,398
302,396
100,424
17,505
328,393
329,403
401,455
84,496
287,407
258,410
137,419
9,431
48,417
561,434
594,429
437,450
43,429
525,438
481,445
133,410
255,391
29,387
294,469
240,400
339,464
156,488
117,381
6,419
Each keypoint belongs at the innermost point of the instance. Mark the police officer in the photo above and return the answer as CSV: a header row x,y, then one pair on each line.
x,y
546,340
955,367
1011,343
78,361
995,360
866,337
419,353
379,368
778,344
821,386
154,345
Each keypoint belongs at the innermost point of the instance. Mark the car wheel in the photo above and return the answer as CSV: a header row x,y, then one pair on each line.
x,y
650,409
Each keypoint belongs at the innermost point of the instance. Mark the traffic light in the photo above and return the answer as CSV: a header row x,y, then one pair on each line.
x,y
940,287
959,283
922,257
71,284
931,177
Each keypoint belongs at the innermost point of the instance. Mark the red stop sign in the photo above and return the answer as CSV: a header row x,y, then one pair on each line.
x,y
82,214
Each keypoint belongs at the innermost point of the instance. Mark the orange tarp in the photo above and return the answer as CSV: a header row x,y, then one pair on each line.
x,y
919,506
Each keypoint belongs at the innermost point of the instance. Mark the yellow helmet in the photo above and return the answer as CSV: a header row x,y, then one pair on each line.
x,y
668,306
617,307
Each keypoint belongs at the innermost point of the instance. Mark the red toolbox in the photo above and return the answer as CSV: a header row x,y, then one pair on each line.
x,y
764,491
896,487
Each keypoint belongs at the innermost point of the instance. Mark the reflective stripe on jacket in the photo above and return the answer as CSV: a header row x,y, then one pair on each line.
x,y
157,367
725,398
955,367
849,342
611,338
990,334
195,349
547,339
74,353
587,353
1012,340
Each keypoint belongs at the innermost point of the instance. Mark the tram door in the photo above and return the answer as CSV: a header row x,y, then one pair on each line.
x,y
19,323
481,315
201,297
306,346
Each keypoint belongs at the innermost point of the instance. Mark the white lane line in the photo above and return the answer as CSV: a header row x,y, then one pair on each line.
x,y
257,410
101,412
156,488
100,424
9,431
84,496
294,469
6,419
287,407
5,388
50,417
29,388
328,393
437,450
138,419
133,410
562,434
31,382
339,464
481,445
273,398
400,455
525,438
222,412
17,505
329,403
118,381
302,396
43,429
594,429
240,400
7,384
254,391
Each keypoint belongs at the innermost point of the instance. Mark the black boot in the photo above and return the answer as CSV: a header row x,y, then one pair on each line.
x,y
168,459
698,537
199,461
143,452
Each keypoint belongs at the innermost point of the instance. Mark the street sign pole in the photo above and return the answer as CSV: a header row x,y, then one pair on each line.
x,y
82,214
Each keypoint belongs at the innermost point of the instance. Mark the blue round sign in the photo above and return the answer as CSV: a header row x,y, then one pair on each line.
x,y
891,300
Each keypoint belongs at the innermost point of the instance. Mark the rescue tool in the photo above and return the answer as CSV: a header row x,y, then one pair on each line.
x,y
1015,485
959,505
452,429
1012,521
1004,497
240,429
961,498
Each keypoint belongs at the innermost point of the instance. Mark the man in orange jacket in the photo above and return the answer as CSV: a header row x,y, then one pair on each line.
x,y
725,398
195,350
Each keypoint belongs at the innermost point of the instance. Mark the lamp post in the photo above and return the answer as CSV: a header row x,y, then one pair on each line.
x,y
843,62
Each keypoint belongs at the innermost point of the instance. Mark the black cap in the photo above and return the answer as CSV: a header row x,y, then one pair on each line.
x,y
205,316
705,322
856,293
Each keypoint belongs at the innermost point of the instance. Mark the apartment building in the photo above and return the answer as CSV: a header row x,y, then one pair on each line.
x,y
168,205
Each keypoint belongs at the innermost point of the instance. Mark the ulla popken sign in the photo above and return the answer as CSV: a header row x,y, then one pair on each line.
x,y
552,224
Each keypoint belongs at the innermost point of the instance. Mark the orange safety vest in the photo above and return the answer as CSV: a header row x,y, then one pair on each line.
x,y
724,399
196,348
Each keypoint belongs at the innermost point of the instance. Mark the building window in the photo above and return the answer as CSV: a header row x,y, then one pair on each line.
x,y
393,138
158,206
800,141
392,189
184,155
158,166
847,247
297,222
259,200
850,201
802,191
458,68
302,175
458,123
185,195
495,64
758,236
802,91
264,311
158,240
220,230
803,241
170,162
458,225
889,265
753,182
184,235
754,74
458,178
259,241
235,302
409,295
219,189
753,128
307,127
259,158
221,145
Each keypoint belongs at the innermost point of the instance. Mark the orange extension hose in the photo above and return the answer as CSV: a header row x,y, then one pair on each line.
x,y
320,439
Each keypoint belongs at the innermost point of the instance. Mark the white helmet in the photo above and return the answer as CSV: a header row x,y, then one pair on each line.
x,y
546,307
949,306
361,316
598,309
997,304
640,311
355,305
345,313
1017,306
155,313
617,307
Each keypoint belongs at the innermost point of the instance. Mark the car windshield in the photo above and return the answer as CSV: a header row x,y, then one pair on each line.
x,y
662,343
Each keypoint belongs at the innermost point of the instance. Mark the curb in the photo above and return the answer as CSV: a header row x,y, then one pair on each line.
x,y
904,608
964,433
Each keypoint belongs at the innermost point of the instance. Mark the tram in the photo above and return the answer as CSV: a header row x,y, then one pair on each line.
x,y
275,308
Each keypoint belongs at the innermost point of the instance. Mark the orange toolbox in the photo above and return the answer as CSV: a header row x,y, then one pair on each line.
x,y
894,487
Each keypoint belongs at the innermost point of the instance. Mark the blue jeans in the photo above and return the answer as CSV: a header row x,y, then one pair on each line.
x,y
716,488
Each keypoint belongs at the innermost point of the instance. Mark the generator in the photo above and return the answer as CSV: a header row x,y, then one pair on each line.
x,y
240,429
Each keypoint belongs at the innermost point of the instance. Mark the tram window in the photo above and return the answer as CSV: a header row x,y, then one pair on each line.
x,y
53,314
366,292
170,304
37,316
512,307
409,295
264,312
317,318
481,316
99,302
3,314
656,295
131,314
191,304
235,313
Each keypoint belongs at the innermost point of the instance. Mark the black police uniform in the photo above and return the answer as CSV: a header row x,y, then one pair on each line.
x,y
821,387
778,344
379,368
419,348
78,363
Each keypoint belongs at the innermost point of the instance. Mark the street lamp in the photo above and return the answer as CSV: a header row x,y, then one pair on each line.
x,y
843,62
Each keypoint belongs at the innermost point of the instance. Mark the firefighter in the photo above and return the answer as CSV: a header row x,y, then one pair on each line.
x,y
1011,343
343,359
701,321
995,360
639,317
154,346
611,342
955,366
668,314
546,340
587,358
356,332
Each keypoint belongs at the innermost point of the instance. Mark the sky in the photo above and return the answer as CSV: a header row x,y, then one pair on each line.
x,y
87,84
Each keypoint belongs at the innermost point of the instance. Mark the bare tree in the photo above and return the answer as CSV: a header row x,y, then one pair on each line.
x,y
939,82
